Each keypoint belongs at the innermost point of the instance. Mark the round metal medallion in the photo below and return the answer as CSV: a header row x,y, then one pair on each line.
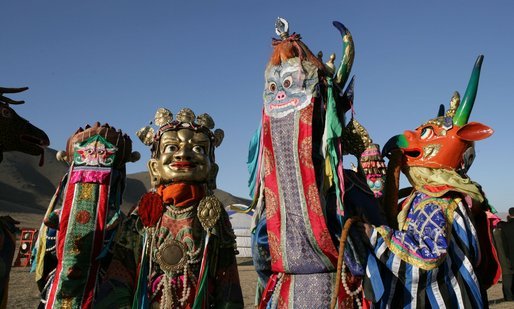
x,y
209,211
171,255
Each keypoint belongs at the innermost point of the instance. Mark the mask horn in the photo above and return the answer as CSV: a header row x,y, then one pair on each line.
x,y
440,113
464,110
347,58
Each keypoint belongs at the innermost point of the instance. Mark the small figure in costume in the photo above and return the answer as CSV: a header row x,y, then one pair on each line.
x,y
302,194
441,254
188,258
73,249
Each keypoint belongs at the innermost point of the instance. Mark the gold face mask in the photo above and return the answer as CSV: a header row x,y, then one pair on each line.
x,y
183,156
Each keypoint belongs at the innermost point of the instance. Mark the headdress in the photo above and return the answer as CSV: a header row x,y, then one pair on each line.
x,y
120,143
185,119
89,196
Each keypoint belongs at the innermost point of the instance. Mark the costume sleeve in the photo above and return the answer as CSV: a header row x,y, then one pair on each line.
x,y
227,286
423,241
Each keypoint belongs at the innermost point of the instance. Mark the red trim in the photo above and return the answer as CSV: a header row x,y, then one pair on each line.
x,y
270,183
316,217
272,197
61,239
268,291
99,236
285,287
436,189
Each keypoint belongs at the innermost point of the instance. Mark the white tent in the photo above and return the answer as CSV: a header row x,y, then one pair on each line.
x,y
241,224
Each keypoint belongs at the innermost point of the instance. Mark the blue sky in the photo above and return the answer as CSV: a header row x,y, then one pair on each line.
x,y
118,61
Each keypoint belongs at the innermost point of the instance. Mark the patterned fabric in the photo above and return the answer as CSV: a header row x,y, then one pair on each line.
x,y
297,290
182,225
76,239
299,240
296,238
358,201
431,260
290,189
79,243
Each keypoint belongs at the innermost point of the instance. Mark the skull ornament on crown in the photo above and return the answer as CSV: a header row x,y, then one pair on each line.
x,y
99,145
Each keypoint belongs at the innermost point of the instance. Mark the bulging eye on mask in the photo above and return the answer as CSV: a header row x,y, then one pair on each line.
x,y
289,87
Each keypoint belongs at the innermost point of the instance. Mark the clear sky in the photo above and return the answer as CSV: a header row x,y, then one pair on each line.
x,y
118,61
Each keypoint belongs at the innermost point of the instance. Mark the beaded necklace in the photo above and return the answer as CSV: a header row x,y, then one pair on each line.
x,y
352,295
171,282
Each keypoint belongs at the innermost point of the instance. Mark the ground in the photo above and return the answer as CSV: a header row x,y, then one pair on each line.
x,y
23,292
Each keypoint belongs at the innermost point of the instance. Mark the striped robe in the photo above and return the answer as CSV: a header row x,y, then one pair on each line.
x,y
431,260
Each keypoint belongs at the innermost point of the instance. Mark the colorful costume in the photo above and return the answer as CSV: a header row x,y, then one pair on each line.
x,y
442,254
299,184
188,255
76,239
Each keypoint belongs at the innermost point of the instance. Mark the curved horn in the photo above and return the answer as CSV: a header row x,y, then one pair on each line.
x,y
440,113
10,101
347,58
12,90
464,110
6,100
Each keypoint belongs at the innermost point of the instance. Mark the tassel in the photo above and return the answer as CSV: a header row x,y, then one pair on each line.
x,y
141,299
201,291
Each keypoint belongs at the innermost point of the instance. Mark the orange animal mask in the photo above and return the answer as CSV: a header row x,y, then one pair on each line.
x,y
443,141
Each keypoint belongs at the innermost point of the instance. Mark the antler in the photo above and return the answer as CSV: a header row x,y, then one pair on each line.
x,y
6,100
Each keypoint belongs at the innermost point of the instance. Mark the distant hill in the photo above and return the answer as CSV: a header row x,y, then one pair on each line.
x,y
26,188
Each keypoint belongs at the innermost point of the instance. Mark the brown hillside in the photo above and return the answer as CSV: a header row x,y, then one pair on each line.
x,y
26,188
